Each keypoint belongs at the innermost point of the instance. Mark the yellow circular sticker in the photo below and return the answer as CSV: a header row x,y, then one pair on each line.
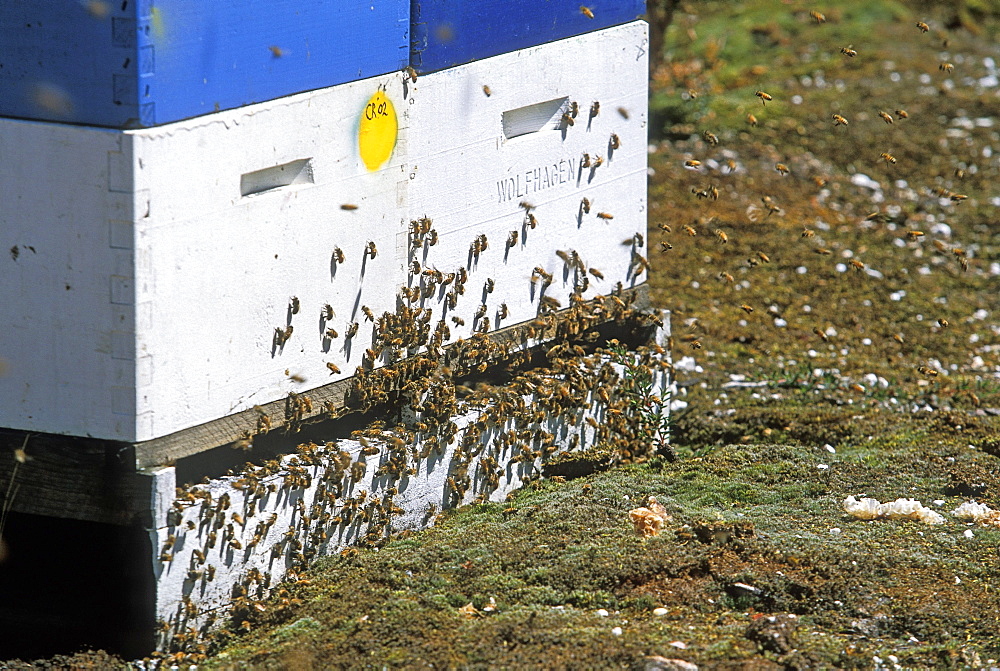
x,y
377,131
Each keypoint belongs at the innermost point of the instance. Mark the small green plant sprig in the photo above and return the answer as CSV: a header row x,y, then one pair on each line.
x,y
651,410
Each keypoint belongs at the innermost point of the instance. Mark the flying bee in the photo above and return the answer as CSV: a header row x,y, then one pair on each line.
x,y
457,321
901,114
957,197
585,161
943,323
959,173
923,26
752,120
567,119
597,273
348,207
334,369
666,228
887,118
914,235
584,205
823,251
487,91
746,308
726,277
887,157
294,305
371,249
731,165
764,97
848,51
574,109
586,12
411,73
338,255
328,313
512,238
605,216
695,344
692,94
368,313
690,231
808,233
692,163
940,246
276,51
352,330
946,67
763,257
781,168
819,181
721,235
818,17
857,265
615,142
665,247
925,370
710,138
595,109
839,120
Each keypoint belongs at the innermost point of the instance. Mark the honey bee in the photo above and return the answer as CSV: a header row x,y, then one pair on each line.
x,y
487,91
731,165
331,333
666,228
574,109
276,51
823,251
368,313
914,235
414,267
898,337
887,157
819,181
585,161
857,265
764,97
597,273
781,168
902,114
532,221
352,330
818,17
595,109
959,173
887,118
957,197
616,143
371,249
808,233
328,313
710,138
943,323
338,255
585,205
512,238
752,120
946,67
763,257
238,518
839,120
746,308
432,237
411,73
490,285
605,216
940,246
692,163
334,369
568,119
849,51
294,305
721,235
925,370
664,248
348,207
502,314
598,162
457,321
586,12
923,26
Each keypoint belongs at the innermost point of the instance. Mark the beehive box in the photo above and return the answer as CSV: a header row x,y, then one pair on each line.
x,y
559,128
140,63
147,272
446,33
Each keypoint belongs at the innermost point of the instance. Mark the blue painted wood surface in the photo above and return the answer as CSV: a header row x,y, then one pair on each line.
x,y
137,63
445,33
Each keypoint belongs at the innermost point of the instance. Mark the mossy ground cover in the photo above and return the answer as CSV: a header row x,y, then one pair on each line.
x,y
877,377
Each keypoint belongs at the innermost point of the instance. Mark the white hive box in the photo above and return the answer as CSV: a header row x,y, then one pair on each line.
x,y
477,153
149,269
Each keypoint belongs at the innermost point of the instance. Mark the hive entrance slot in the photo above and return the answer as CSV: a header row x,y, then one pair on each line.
x,y
269,179
533,118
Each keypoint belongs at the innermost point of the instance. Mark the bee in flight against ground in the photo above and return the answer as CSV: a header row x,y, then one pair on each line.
x,y
887,118
849,51
764,97
887,157
839,120
818,17
923,26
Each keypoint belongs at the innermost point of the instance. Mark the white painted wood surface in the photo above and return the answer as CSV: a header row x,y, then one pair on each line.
x,y
147,288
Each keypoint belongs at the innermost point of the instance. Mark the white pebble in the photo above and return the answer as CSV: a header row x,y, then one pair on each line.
x,y
659,612
968,533
602,612
617,631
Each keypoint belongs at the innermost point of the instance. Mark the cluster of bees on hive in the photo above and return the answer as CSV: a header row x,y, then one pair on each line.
x,y
770,207
521,394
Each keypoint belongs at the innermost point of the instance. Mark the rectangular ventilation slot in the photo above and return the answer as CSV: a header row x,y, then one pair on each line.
x,y
269,179
534,118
